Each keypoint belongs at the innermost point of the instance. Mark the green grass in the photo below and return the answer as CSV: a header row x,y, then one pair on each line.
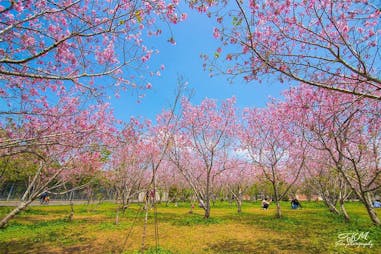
x,y
42,229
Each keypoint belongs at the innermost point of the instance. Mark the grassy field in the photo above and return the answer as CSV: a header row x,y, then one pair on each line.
x,y
46,229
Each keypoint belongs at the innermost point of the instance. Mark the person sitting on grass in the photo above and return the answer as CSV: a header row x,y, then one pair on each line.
x,y
377,204
265,204
295,204
44,198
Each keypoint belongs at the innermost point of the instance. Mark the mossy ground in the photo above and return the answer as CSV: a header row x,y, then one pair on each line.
x,y
46,229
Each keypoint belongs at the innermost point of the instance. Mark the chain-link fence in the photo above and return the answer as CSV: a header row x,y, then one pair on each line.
x,y
15,190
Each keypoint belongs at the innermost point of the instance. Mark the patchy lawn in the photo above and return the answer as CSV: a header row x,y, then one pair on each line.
x,y
46,229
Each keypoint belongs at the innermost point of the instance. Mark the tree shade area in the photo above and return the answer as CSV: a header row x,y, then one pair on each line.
x,y
210,162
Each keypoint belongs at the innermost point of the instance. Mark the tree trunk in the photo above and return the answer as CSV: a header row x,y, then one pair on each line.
x,y
278,210
373,216
276,196
206,207
207,196
239,204
126,200
10,191
117,209
117,215
14,212
372,213
207,210
365,199
26,199
332,208
344,211
89,195
71,214
124,204
238,199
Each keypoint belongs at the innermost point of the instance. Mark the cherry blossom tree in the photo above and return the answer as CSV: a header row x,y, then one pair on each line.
x,y
323,178
275,147
348,131
156,141
201,145
57,58
64,143
128,171
328,44
239,175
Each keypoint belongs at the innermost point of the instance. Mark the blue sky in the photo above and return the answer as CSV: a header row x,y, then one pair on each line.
x,y
193,36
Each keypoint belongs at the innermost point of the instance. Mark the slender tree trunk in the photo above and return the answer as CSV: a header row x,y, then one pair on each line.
x,y
238,200
126,200
124,206
206,205
332,208
14,212
71,214
207,196
344,211
341,200
160,197
372,213
117,202
278,210
117,215
207,209
28,197
10,191
239,204
89,195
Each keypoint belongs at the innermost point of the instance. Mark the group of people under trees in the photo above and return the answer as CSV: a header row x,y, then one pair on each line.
x,y
295,204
